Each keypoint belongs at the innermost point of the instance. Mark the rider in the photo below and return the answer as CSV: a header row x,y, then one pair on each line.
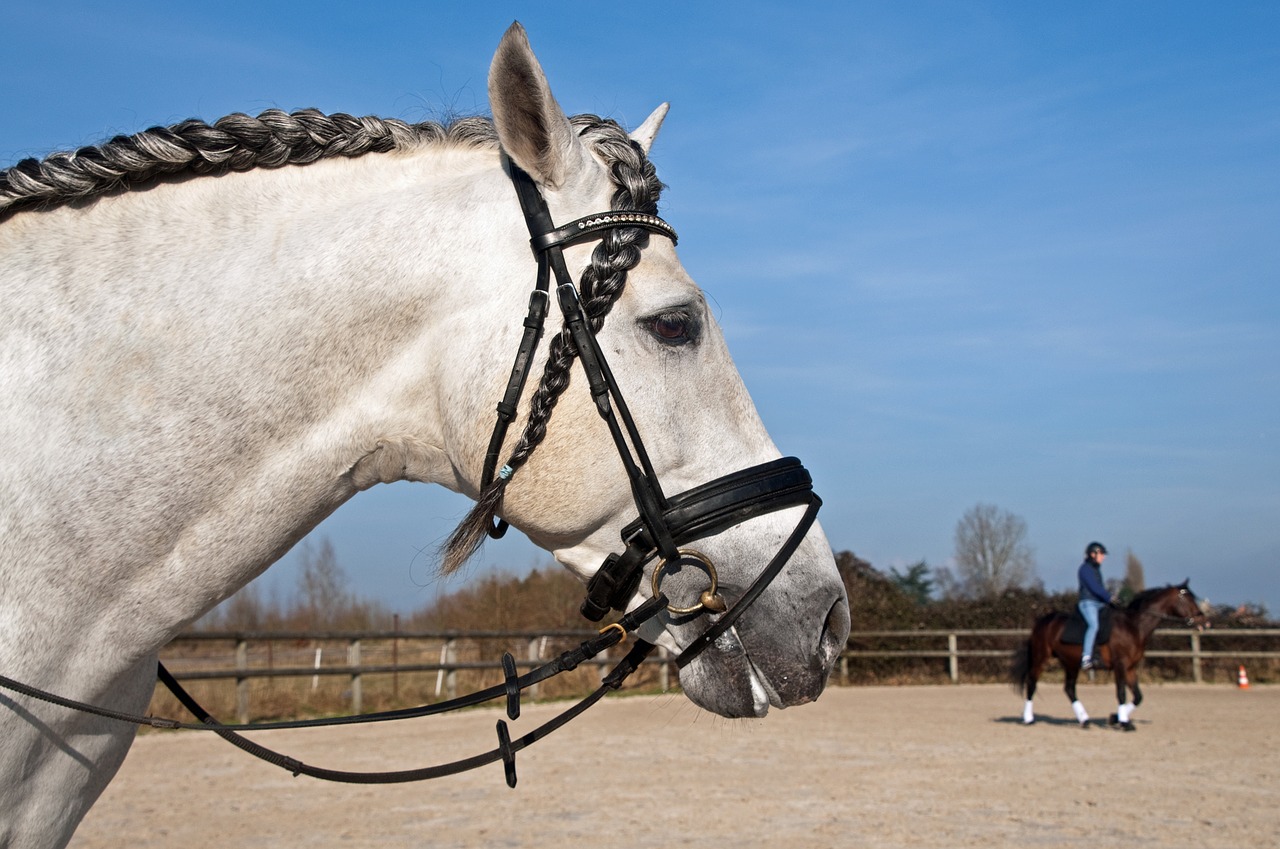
x,y
1093,597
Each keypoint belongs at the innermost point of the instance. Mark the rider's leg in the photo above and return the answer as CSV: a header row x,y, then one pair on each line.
x,y
1089,610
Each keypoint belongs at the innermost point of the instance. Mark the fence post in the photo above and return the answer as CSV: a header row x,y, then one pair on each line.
x,y
242,683
451,677
1197,674
664,669
953,661
395,656
844,671
315,679
535,655
353,660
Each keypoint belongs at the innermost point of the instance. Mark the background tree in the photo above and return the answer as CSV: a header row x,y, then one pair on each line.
x,y
1134,579
915,582
247,610
992,554
548,597
323,596
251,608
875,600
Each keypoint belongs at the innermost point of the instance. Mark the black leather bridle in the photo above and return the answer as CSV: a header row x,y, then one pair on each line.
x,y
664,524
663,527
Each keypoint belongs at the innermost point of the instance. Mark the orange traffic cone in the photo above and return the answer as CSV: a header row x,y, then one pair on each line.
x,y
1243,681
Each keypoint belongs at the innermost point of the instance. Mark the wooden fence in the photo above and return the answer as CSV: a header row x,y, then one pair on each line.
x,y
250,657
944,644
256,656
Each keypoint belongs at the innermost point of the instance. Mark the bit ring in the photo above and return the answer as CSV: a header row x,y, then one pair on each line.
x,y
710,600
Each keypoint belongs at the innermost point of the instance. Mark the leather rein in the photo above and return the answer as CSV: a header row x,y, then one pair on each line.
x,y
663,526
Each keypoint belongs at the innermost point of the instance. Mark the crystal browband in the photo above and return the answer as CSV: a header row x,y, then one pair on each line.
x,y
584,227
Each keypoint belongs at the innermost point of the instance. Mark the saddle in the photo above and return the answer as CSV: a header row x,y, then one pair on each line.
x,y
1073,633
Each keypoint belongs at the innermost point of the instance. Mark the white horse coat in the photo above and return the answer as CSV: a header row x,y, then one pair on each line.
x,y
196,372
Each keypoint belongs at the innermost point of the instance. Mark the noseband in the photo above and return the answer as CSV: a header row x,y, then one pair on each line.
x,y
665,525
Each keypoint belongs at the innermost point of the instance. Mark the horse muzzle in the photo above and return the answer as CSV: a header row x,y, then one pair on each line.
x,y
779,656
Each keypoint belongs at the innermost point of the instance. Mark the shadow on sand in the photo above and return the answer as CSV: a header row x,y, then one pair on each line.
x,y
1067,722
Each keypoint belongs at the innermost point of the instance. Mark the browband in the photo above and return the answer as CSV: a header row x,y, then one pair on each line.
x,y
590,225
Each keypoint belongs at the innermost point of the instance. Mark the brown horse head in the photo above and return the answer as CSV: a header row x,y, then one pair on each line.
x,y
1175,601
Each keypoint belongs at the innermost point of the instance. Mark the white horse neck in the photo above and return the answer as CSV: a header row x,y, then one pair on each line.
x,y
226,360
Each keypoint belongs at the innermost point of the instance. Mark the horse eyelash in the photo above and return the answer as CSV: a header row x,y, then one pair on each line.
x,y
692,328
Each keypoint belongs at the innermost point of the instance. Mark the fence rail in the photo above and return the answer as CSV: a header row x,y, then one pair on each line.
x,y
295,654
954,653
259,655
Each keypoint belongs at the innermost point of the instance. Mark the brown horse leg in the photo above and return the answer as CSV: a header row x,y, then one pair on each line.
x,y
1038,656
1115,718
1072,672
1125,674
1035,667
1121,674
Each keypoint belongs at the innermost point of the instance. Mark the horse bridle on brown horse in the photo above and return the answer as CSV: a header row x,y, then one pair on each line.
x,y
664,525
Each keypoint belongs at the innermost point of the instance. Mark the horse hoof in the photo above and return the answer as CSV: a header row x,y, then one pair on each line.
x,y
1114,719
1128,726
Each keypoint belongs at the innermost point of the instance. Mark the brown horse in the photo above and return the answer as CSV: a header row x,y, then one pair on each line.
x,y
1131,627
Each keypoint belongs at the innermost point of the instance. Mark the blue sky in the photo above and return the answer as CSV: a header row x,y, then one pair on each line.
x,y
1020,254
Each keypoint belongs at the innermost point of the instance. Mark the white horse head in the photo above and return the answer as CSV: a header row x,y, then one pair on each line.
x,y
198,370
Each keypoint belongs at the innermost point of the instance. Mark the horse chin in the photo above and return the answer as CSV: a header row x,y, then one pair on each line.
x,y
724,680
752,667
727,680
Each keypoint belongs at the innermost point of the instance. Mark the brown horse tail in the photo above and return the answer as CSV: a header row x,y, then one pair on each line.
x,y
1021,667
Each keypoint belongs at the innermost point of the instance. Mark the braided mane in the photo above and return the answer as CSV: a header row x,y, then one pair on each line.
x,y
237,142
240,142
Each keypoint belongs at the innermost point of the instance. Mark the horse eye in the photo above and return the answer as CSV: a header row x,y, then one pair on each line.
x,y
673,328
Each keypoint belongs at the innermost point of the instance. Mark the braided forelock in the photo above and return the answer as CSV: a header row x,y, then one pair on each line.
x,y
636,188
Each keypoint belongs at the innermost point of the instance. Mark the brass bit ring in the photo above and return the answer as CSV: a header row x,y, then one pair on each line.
x,y
709,601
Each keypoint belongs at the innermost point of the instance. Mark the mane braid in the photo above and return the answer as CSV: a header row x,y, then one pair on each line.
x,y
638,188
236,142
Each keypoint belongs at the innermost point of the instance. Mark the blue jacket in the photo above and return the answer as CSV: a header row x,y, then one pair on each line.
x,y
1091,585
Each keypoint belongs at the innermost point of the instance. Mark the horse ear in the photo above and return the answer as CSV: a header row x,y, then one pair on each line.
x,y
1185,583
648,131
532,128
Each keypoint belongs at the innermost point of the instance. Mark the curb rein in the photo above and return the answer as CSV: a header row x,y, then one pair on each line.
x,y
664,524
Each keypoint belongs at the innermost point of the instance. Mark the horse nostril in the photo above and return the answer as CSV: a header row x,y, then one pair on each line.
x,y
835,633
